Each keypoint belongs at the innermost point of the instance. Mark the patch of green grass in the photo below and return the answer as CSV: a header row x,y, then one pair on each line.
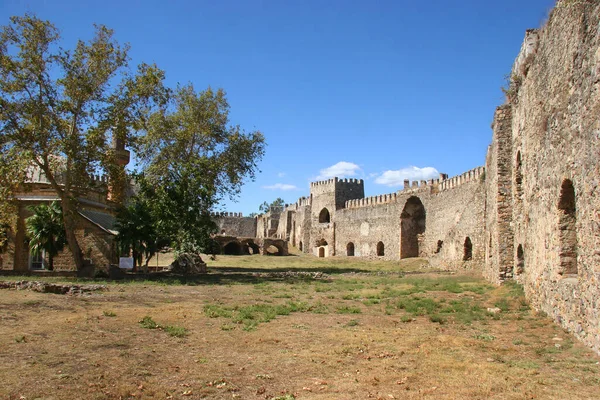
x,y
148,323
485,337
227,327
525,364
437,318
370,302
319,308
503,304
252,315
351,296
406,318
352,322
21,339
176,331
109,314
348,310
418,305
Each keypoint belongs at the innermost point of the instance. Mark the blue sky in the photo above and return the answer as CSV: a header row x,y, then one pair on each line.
x,y
378,90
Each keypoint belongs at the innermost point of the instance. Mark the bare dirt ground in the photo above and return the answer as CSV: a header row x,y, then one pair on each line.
x,y
338,328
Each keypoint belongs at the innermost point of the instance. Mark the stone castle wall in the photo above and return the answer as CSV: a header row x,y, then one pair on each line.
x,y
235,224
551,171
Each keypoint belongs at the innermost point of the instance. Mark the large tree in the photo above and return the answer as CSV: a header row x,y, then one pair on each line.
x,y
61,109
192,157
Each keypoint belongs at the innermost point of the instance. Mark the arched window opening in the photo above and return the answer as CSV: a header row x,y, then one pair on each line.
x,y
350,249
567,221
273,250
490,246
520,260
412,227
519,175
251,248
468,250
324,216
321,251
440,243
300,246
232,249
380,249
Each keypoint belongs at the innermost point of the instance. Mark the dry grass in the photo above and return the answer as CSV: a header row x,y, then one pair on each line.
x,y
240,332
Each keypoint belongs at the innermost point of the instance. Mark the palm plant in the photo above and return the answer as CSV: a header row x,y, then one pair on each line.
x,y
45,230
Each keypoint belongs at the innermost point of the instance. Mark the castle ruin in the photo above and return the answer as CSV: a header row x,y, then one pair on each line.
x,y
531,214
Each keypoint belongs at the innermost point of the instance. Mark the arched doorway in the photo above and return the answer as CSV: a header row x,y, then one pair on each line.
x,y
321,244
350,249
468,250
380,249
567,221
440,244
520,260
324,216
232,249
300,246
251,248
412,226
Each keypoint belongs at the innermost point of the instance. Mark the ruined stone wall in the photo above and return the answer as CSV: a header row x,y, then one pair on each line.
x,y
555,101
453,211
235,224
498,203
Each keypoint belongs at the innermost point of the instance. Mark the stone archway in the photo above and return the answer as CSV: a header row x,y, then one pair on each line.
x,y
412,226
350,249
232,249
567,229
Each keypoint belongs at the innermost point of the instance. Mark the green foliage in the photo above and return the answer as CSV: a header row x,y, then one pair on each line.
x,y
138,225
148,323
109,314
61,109
46,231
277,204
176,331
192,158
348,310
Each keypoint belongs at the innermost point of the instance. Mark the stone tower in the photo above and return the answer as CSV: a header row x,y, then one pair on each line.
x,y
117,182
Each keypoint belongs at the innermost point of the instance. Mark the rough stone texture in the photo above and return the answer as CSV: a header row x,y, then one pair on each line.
x,y
45,287
97,243
554,102
188,264
233,245
235,224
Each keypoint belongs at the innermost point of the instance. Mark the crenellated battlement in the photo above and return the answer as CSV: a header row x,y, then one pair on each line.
x,y
372,200
227,214
301,202
336,180
458,180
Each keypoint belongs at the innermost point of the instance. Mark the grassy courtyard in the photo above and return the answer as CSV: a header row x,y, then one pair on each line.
x,y
293,327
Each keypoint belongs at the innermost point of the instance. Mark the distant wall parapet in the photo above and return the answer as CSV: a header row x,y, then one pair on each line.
x,y
333,181
227,214
469,176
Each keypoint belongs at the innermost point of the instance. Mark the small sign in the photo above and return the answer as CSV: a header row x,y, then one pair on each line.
x,y
126,262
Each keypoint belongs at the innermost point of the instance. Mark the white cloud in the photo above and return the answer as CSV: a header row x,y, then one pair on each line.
x,y
281,174
281,186
342,169
397,177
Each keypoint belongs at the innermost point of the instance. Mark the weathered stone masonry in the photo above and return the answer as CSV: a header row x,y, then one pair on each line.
x,y
532,216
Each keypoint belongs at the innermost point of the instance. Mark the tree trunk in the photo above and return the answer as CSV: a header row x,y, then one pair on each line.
x,y
50,262
69,216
